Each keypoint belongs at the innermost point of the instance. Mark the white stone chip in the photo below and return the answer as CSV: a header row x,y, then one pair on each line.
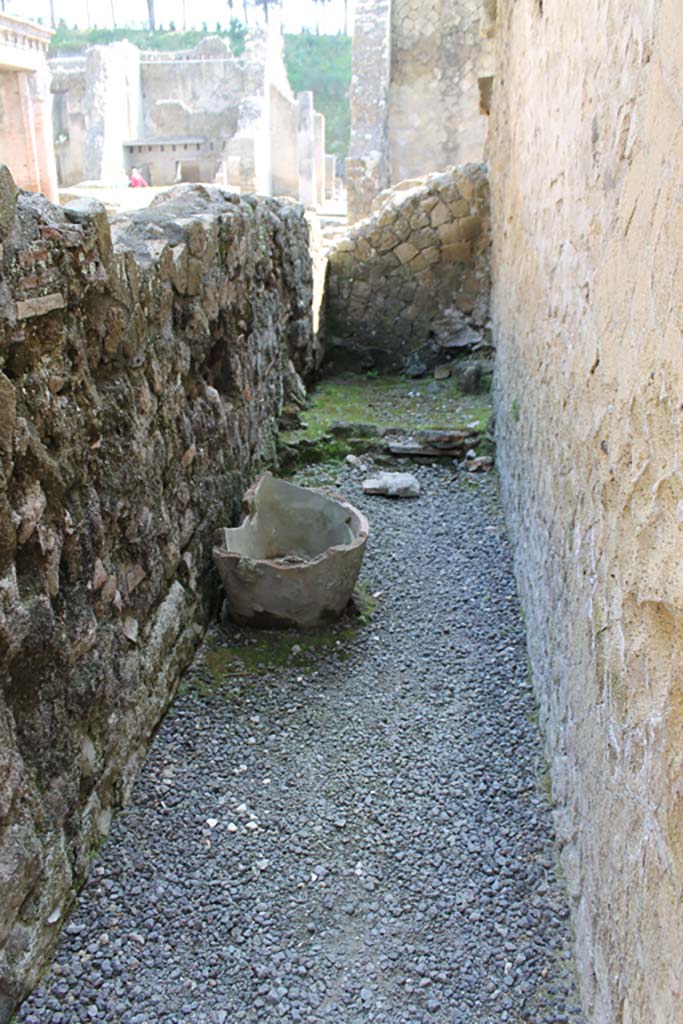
x,y
393,485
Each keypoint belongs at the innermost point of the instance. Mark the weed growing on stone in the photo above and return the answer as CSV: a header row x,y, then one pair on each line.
x,y
392,401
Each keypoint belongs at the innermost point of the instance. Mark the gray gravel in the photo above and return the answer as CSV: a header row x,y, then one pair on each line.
x,y
361,838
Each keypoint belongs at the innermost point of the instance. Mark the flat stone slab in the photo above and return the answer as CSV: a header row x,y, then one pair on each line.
x,y
393,485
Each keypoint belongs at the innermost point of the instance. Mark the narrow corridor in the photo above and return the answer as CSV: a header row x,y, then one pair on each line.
x,y
349,829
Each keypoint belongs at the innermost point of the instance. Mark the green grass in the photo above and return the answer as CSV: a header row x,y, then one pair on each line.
x,y
391,401
233,661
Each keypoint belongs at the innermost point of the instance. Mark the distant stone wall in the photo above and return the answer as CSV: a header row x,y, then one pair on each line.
x,y
284,127
415,92
587,176
141,373
437,57
192,93
113,107
25,104
68,118
367,166
413,277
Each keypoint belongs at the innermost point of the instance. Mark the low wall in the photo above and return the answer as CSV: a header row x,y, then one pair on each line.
x,y
414,276
587,174
141,372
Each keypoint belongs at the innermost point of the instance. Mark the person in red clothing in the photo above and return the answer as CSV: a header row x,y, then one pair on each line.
x,y
136,179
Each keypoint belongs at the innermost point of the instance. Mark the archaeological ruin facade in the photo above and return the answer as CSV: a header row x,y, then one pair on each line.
x,y
25,129
420,71
144,363
195,115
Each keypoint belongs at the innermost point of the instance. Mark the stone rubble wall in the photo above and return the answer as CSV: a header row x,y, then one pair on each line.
x,y
142,369
414,276
587,175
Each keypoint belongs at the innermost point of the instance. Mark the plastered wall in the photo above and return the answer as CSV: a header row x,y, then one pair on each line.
x,y
586,158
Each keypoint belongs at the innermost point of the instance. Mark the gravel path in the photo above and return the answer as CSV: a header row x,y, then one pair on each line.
x,y
358,834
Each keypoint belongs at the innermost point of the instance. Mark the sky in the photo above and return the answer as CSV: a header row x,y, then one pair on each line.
x,y
296,14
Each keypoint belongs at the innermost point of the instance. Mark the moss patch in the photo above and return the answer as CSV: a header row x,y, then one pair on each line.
x,y
391,401
349,413
234,659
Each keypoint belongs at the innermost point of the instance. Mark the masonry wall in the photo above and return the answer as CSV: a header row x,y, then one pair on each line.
x,y
17,144
412,280
113,107
284,127
437,56
414,92
141,373
195,93
68,88
587,171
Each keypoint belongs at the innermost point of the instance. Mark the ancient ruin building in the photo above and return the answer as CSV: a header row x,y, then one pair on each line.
x,y
195,115
419,70
144,362
25,130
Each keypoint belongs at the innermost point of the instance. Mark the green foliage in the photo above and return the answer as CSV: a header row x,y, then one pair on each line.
x,y
323,65
390,400
74,40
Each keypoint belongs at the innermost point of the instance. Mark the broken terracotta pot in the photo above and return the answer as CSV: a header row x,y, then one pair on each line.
x,y
294,560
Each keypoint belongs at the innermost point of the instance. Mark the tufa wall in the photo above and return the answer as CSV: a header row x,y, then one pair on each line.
x,y
413,277
415,104
141,373
587,171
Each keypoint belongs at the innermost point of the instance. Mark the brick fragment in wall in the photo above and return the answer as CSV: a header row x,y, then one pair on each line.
x,y
138,397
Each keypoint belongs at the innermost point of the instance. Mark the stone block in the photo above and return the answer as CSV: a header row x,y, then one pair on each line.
x,y
440,215
460,252
450,233
470,228
406,252
459,207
